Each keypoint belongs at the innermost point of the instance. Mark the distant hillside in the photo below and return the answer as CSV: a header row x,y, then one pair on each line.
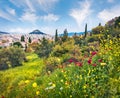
x,y
37,32
3,32
73,33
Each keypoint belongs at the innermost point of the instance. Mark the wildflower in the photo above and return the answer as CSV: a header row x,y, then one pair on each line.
x,y
2,97
53,85
27,81
61,88
100,60
71,60
78,64
50,83
37,92
93,53
61,80
94,64
84,86
34,84
102,64
89,61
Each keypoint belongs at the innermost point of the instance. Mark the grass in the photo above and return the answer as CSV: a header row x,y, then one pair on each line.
x,y
29,71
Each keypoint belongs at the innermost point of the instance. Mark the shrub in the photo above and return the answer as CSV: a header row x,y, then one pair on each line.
x,y
11,57
44,48
51,63
17,44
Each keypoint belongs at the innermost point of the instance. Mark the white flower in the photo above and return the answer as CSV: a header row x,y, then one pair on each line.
x,y
61,88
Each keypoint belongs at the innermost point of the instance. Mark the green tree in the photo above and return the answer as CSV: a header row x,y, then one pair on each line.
x,y
65,35
98,30
29,40
56,35
22,38
99,24
12,56
85,31
117,22
17,44
44,49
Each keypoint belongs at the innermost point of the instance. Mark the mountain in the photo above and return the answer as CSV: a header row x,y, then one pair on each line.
x,y
73,33
3,32
37,32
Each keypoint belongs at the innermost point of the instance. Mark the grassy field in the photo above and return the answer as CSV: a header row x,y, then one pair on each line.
x,y
9,79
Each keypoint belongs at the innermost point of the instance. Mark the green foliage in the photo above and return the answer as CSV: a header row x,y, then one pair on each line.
x,y
98,30
52,63
11,57
94,38
117,22
85,31
17,44
22,38
44,49
29,40
56,36
65,35
65,47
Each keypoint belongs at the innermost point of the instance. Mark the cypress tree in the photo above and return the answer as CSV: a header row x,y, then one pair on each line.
x,y
22,38
56,35
85,30
29,40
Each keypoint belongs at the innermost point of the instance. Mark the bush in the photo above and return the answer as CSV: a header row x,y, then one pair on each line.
x,y
11,57
51,63
44,49
17,44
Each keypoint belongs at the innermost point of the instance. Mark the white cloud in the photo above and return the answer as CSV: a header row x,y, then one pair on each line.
x,y
50,17
11,11
34,5
108,14
29,17
110,1
81,13
6,15
46,5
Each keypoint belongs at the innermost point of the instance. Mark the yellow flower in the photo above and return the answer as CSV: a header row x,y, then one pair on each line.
x,y
92,97
84,86
53,85
34,84
27,81
102,64
61,80
37,92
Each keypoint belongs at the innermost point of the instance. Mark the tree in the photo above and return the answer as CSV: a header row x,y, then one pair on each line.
x,y
22,38
98,30
17,44
12,56
65,35
56,35
85,31
99,24
29,40
44,49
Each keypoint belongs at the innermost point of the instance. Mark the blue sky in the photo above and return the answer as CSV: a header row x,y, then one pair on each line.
x,y
24,16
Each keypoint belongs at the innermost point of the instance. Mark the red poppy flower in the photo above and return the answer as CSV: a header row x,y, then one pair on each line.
x,y
94,64
93,53
89,61
78,64
71,60
100,60
3,97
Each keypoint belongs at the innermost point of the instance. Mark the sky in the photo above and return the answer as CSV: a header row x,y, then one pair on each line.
x,y
24,16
